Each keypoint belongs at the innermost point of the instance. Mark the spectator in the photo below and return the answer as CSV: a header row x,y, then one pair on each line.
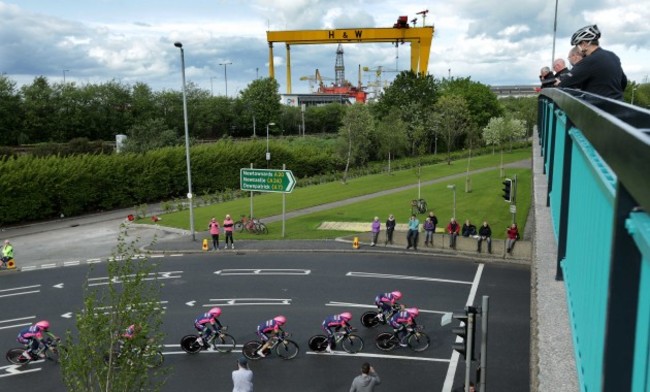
x,y
375,228
469,230
546,77
428,227
366,381
434,219
453,229
242,378
513,236
213,226
7,252
413,233
390,228
600,71
561,71
228,227
485,234
575,55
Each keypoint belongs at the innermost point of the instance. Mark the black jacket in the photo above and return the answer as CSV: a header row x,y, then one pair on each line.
x,y
485,231
468,230
599,73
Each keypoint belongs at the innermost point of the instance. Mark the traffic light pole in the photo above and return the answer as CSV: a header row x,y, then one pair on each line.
x,y
469,354
484,339
514,199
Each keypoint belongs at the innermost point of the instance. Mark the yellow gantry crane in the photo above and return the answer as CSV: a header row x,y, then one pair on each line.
x,y
419,37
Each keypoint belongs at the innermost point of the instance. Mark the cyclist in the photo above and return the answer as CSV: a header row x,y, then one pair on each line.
x,y
402,322
207,324
336,321
32,337
273,326
385,303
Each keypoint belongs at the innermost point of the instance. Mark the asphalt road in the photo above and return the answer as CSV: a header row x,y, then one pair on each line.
x,y
305,287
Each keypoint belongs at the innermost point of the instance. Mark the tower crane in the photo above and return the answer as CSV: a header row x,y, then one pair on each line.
x,y
316,78
378,85
424,16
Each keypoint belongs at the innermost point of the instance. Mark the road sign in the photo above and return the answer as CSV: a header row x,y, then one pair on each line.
x,y
266,180
513,209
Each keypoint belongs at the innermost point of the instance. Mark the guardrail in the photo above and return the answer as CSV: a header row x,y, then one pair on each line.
x,y
597,160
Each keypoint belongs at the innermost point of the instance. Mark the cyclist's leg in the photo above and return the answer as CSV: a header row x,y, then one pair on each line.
x,y
266,342
330,337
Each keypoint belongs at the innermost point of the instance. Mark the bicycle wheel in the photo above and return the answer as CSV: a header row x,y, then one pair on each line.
x,y
287,349
385,341
52,353
15,356
260,228
352,344
250,350
189,344
419,341
224,343
369,319
318,343
239,226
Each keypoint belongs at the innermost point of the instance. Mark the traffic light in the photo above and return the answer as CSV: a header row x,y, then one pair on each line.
x,y
507,190
465,333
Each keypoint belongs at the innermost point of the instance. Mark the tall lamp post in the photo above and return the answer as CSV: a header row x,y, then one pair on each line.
x,y
64,71
187,142
453,188
268,154
211,87
225,74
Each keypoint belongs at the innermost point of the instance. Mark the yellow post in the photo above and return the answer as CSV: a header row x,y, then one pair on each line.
x,y
205,244
11,264
355,243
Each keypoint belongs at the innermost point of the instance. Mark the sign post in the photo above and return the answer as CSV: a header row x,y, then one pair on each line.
x,y
266,180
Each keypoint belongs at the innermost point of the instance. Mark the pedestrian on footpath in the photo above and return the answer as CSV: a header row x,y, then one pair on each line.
x,y
413,233
214,232
7,252
228,227
242,378
366,381
390,228
375,227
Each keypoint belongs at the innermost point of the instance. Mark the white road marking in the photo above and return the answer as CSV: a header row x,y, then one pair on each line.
x,y
12,370
71,263
58,286
45,266
152,276
352,305
29,267
260,271
247,301
404,277
20,288
176,255
67,315
382,356
190,303
453,363
16,325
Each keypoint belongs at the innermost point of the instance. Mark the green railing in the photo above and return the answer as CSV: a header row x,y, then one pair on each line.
x,y
597,162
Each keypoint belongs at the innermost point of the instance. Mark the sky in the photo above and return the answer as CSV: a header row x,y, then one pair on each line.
x,y
495,42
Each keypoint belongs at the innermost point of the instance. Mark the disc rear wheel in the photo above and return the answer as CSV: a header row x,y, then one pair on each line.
x,y
369,319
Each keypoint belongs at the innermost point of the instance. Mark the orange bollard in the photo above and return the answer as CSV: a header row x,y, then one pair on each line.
x,y
11,264
355,243
205,244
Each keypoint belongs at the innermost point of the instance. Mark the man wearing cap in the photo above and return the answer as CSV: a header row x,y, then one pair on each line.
x,y
600,71
242,378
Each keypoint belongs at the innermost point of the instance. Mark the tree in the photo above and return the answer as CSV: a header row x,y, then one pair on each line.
x,y
500,130
150,135
262,98
130,296
481,102
39,110
356,136
391,137
451,118
11,117
522,108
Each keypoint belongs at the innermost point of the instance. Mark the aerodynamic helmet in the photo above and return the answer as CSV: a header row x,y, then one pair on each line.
x,y
397,294
347,316
413,311
44,324
216,312
587,33
280,319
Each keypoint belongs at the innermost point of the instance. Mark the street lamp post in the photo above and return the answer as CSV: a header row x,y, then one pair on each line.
x,y
64,71
211,86
225,74
633,91
268,154
187,142
453,188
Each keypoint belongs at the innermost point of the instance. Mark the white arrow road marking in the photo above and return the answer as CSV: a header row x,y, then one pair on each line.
x,y
14,370
20,288
353,305
102,281
247,301
382,356
58,286
404,277
16,325
190,303
67,315
245,271
108,309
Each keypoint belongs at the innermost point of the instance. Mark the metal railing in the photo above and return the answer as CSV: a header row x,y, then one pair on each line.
x,y
596,155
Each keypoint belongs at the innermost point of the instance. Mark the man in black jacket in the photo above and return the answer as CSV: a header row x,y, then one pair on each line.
x,y
600,71
485,234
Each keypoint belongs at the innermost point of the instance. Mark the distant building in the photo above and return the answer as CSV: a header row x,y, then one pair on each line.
x,y
515,91
297,100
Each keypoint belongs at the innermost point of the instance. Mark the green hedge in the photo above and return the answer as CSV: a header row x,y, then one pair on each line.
x,y
36,188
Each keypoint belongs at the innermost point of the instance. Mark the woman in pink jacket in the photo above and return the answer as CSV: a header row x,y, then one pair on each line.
x,y
228,226
214,232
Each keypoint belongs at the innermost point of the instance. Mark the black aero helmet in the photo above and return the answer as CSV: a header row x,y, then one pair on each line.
x,y
587,33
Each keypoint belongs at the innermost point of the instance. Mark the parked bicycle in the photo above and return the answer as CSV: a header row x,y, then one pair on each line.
x,y
416,339
350,342
220,341
371,318
251,225
283,348
47,350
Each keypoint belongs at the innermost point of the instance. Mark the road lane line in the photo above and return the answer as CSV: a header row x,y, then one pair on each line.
x,y
262,271
247,301
46,266
69,263
17,319
404,277
176,255
381,356
453,363
27,268
23,293
21,288
15,326
12,370
352,305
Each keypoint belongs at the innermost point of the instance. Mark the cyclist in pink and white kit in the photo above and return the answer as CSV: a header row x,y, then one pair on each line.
x,y
273,326
32,337
336,321
207,324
